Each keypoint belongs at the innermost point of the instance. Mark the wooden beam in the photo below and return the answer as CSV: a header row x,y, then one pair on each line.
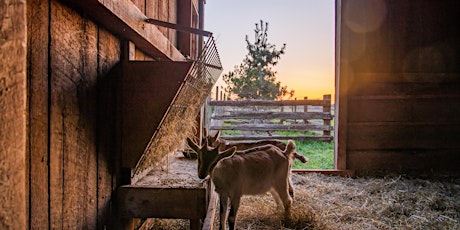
x,y
273,115
125,20
272,127
161,202
343,173
13,116
278,137
37,57
268,103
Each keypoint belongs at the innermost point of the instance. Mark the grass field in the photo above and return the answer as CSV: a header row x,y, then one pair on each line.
x,y
320,155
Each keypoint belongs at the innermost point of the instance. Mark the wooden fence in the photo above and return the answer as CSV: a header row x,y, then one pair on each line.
x,y
258,119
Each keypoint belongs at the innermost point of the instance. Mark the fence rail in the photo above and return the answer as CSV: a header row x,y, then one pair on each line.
x,y
258,119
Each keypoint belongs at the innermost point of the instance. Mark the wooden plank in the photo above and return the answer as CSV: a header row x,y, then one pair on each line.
x,y
404,89
109,49
408,161
146,96
13,115
56,155
173,19
208,223
273,127
140,4
87,100
184,18
327,109
38,112
415,109
161,202
342,173
268,103
73,77
272,115
124,19
163,15
395,135
278,137
343,74
369,78
151,11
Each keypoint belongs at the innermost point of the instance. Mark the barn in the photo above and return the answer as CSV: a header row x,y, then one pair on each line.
x,y
92,95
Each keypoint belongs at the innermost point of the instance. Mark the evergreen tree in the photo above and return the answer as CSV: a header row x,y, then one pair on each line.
x,y
255,78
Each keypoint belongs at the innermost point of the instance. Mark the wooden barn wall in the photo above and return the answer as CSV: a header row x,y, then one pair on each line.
x,y
71,154
13,106
399,86
164,10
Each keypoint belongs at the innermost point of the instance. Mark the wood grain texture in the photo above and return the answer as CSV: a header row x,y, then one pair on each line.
x,y
73,155
417,162
147,94
417,109
109,48
398,86
13,108
38,44
126,20
162,202
173,19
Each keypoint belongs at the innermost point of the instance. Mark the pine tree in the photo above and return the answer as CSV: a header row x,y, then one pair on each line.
x,y
255,78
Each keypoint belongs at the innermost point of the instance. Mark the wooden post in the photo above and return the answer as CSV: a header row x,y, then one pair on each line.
x,y
282,110
13,116
305,109
294,109
327,109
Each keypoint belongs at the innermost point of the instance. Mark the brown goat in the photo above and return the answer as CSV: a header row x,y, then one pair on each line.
x,y
222,144
255,171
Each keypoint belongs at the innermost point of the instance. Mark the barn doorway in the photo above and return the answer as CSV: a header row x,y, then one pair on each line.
x,y
308,66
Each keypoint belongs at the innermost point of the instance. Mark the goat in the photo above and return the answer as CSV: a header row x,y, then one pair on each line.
x,y
223,144
254,171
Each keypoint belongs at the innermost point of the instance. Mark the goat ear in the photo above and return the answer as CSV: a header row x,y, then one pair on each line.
x,y
192,145
228,153
217,135
206,145
205,132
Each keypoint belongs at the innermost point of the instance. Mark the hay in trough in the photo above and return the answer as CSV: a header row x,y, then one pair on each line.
x,y
179,121
330,202
178,172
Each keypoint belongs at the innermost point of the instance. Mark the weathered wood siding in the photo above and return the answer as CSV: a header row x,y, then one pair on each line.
x,y
399,86
164,10
13,107
71,142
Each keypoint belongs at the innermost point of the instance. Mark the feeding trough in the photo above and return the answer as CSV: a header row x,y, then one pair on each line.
x,y
159,105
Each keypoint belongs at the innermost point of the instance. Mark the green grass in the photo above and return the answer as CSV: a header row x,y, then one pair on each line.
x,y
320,155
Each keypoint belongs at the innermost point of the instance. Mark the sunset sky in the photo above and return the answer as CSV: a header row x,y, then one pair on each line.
x,y
306,26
